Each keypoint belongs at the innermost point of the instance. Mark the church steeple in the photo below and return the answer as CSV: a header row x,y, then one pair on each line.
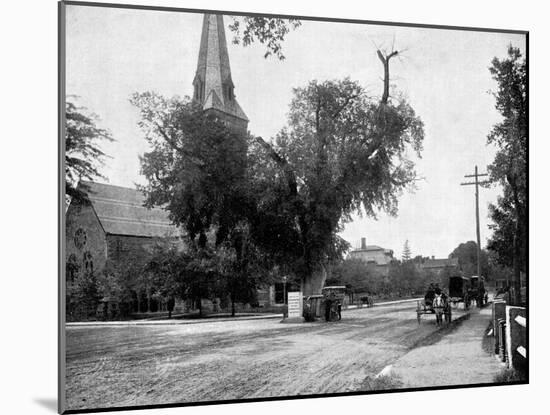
x,y
213,86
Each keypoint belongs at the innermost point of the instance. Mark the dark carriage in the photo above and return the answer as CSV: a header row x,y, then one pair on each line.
x,y
328,304
477,290
459,291
333,300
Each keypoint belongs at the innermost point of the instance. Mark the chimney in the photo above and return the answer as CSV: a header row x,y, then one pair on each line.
x,y
363,243
433,256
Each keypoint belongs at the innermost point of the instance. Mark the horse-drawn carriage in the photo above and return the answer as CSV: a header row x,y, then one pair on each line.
x,y
333,299
459,288
477,290
437,303
440,307
328,304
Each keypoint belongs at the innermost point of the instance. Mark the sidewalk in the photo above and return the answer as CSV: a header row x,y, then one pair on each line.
x,y
457,359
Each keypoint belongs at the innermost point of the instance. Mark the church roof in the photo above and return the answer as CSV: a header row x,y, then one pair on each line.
x,y
121,211
213,69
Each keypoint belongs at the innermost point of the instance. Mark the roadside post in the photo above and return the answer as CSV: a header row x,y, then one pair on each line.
x,y
499,313
516,337
285,300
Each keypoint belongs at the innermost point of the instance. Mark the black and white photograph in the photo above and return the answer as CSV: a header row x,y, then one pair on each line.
x,y
261,207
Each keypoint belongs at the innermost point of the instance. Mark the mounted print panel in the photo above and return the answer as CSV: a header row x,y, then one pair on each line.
x,y
268,207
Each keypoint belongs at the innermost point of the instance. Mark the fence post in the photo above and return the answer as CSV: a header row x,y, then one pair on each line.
x,y
499,313
516,337
502,339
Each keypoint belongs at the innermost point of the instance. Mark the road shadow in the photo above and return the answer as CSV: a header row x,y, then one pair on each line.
x,y
441,332
48,403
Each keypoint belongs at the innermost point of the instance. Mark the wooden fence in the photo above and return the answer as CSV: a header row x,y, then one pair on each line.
x,y
510,334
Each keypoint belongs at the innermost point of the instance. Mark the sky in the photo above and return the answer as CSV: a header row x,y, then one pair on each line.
x,y
112,53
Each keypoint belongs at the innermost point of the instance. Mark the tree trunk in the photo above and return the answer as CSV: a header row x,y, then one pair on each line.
x,y
386,62
314,283
517,269
517,251
232,305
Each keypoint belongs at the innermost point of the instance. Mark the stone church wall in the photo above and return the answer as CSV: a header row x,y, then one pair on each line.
x,y
132,249
86,244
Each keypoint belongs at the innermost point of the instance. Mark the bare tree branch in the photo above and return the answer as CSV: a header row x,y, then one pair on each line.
x,y
385,59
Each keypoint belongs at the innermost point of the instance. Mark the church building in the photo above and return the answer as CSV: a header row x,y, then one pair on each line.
x,y
114,225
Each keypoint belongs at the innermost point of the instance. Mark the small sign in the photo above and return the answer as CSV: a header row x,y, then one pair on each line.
x,y
294,304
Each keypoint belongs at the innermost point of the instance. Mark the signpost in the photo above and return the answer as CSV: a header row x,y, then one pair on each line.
x,y
295,306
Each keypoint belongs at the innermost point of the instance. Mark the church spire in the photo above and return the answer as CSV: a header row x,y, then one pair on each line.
x,y
213,86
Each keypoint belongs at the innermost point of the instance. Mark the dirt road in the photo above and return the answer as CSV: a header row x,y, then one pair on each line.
x,y
144,365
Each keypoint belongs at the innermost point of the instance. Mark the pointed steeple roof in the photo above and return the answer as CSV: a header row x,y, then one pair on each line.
x,y
213,84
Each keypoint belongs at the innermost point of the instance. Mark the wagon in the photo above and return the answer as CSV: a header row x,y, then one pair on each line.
x,y
477,290
459,291
315,306
423,308
333,299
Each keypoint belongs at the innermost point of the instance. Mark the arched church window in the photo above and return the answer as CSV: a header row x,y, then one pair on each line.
x,y
200,91
228,92
71,268
88,263
118,246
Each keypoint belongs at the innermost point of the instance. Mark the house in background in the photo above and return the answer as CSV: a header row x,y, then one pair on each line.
x,y
375,256
437,265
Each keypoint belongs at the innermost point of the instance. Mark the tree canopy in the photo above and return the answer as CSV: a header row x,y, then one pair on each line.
x,y
509,214
83,154
267,30
466,253
342,151
196,168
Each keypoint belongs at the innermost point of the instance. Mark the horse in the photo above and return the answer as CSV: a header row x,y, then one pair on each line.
x,y
439,305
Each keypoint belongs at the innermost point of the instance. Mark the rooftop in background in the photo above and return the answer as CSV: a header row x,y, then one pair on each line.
x,y
363,247
121,211
372,248
440,263
372,254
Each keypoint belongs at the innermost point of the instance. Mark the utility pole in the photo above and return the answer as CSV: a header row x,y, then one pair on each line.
x,y
477,183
